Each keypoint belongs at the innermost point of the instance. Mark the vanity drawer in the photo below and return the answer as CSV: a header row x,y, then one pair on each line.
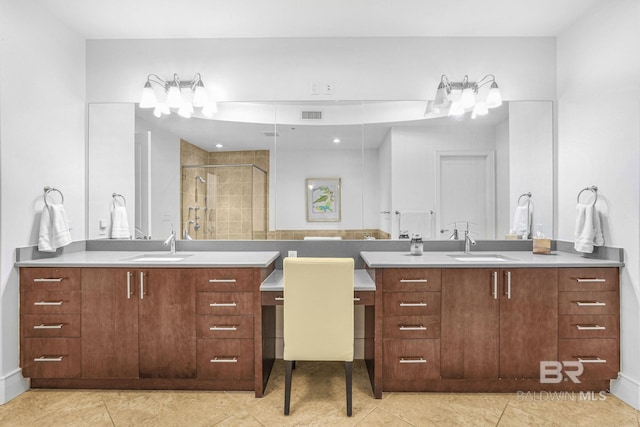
x,y
272,298
411,360
224,279
51,358
225,327
230,303
588,279
412,327
50,325
364,298
411,279
411,303
599,357
225,359
50,279
588,302
50,302
588,326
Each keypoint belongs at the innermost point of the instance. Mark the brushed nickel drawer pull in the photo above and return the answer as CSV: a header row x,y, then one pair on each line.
x,y
223,304
590,304
591,280
413,304
495,284
142,285
129,285
412,328
413,280
356,299
43,279
278,299
224,359
222,280
43,326
590,359
58,303
590,327
48,359
412,360
223,328
508,285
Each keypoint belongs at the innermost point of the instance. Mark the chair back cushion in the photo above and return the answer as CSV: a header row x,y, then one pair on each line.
x,y
318,309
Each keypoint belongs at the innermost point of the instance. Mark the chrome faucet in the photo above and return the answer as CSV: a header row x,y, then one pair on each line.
x,y
171,240
468,241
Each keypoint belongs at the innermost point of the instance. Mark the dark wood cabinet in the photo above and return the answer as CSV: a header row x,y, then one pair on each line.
x,y
498,323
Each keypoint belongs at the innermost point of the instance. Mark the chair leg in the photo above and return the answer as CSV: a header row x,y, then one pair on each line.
x,y
288,368
348,369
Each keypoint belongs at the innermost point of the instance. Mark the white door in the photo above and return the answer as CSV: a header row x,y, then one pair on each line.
x,y
466,193
143,186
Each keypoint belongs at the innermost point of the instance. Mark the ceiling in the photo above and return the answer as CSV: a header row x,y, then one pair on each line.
x,y
128,19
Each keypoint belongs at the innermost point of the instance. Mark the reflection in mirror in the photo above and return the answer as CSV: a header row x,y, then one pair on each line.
x,y
399,171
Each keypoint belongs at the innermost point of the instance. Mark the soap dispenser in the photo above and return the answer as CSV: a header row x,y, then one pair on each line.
x,y
416,244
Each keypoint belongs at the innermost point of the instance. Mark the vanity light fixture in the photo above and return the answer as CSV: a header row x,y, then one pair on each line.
x,y
180,95
456,98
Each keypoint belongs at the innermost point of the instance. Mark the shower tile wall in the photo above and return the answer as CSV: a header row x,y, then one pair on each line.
x,y
193,194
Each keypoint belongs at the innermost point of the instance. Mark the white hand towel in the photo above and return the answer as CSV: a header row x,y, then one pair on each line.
x,y
54,229
588,231
120,223
520,223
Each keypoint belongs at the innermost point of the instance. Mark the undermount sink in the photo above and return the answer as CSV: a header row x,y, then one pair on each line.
x,y
481,258
159,257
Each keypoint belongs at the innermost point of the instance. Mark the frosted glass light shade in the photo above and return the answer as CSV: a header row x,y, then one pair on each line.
x,y
480,109
493,97
468,98
200,98
148,98
174,98
456,109
441,96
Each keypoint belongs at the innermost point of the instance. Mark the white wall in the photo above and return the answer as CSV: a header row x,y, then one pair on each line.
x,y
360,68
503,202
42,142
111,165
599,144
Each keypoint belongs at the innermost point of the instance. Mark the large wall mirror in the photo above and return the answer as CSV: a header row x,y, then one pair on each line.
x,y
333,169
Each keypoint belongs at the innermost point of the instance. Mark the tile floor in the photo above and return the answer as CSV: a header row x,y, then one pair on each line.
x,y
317,400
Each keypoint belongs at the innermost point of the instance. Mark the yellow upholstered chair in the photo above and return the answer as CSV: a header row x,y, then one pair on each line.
x,y
318,315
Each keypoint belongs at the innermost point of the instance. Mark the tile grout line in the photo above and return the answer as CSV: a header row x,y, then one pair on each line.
x,y
106,408
503,411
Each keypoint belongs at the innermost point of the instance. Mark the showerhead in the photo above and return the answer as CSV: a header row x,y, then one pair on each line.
x,y
201,179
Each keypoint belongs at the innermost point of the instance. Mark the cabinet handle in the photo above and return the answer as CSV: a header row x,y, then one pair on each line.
x,y
141,285
224,359
413,280
508,285
48,359
590,359
43,326
223,304
495,284
42,279
413,304
222,280
58,303
591,327
278,299
590,304
412,360
591,280
223,328
128,285
412,328
356,299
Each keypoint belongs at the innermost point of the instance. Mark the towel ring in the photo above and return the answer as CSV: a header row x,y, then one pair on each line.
x,y
527,195
48,190
115,195
593,189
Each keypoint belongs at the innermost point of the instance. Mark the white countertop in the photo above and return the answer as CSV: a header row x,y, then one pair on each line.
x,y
129,259
362,282
515,259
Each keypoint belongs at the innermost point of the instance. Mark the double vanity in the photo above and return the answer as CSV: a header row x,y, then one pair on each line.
x,y
206,320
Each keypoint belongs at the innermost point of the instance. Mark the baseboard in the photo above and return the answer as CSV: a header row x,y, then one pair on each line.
x,y
627,390
13,385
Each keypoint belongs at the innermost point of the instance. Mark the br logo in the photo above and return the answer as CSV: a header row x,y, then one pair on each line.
x,y
551,371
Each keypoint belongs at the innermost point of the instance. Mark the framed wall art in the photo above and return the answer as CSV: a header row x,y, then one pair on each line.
x,y
323,199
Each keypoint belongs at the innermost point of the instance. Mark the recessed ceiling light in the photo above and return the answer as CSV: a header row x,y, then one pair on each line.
x,y
219,146
336,140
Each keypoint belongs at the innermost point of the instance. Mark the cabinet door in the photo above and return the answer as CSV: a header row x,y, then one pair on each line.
x,y
528,321
167,326
469,328
109,323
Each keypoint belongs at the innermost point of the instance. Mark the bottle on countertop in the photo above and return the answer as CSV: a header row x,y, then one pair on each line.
x,y
416,244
